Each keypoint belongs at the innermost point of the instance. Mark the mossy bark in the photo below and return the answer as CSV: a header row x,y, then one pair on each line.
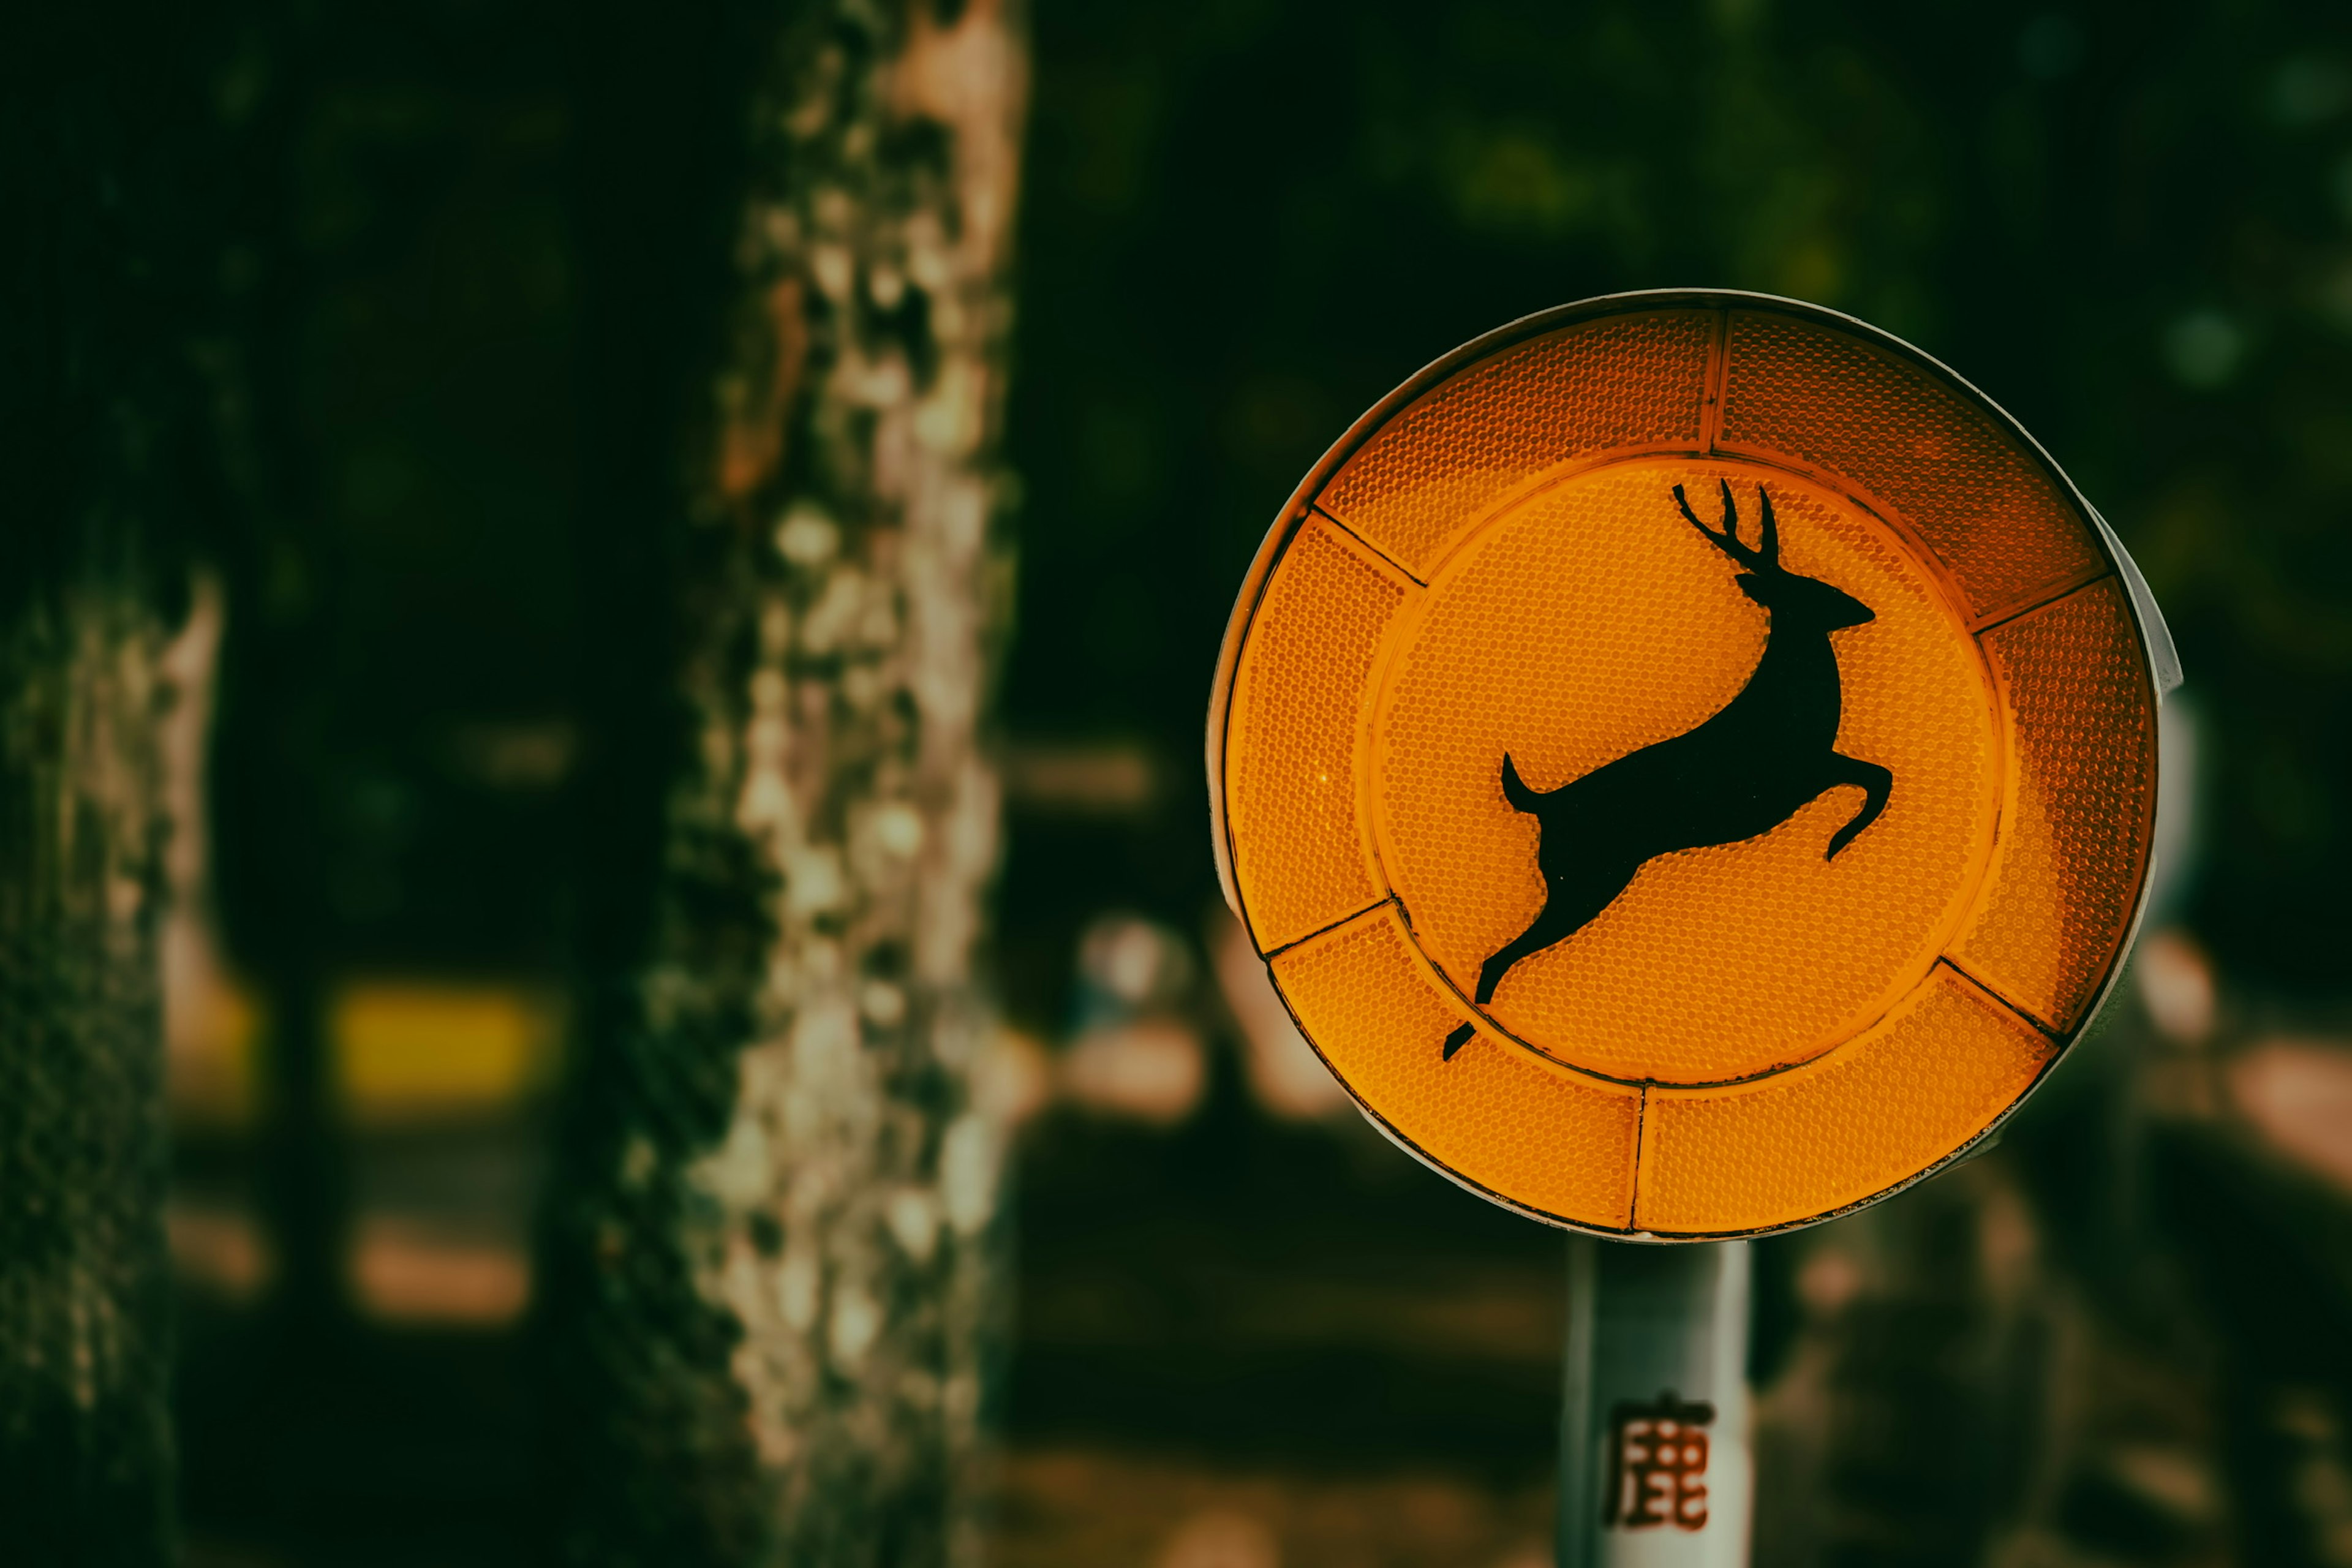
x,y
84,1440
102,432
774,1265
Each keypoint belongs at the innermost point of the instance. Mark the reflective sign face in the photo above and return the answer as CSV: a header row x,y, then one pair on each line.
x,y
1688,761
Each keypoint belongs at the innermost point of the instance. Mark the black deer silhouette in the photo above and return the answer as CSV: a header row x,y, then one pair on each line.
x,y
1767,753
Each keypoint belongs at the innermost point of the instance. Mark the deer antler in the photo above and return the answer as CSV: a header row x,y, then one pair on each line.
x,y
1766,556
1727,539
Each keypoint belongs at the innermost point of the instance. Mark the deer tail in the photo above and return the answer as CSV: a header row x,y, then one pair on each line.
x,y
1514,788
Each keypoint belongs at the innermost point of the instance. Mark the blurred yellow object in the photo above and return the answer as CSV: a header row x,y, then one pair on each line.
x,y
213,1030
2297,1094
2177,987
1152,1069
218,1249
405,1051
1496,588
414,1050
404,1272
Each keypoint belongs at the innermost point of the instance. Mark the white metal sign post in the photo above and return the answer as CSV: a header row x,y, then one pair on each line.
x,y
1654,1465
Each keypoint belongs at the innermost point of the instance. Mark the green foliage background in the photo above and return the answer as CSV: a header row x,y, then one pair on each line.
x,y
1242,221
2131,224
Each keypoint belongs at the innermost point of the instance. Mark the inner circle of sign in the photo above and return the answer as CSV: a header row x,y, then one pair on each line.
x,y
1590,620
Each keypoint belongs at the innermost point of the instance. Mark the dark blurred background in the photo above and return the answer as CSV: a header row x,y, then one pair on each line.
x,y
1250,1332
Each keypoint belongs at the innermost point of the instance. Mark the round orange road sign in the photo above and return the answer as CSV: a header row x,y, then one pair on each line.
x,y
1688,761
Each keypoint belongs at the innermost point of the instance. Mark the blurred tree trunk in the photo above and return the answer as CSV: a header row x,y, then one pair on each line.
x,y
1912,1428
774,1266
84,1449
98,420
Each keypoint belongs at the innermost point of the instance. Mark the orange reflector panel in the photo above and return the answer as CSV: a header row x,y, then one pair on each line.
x,y
1952,469
1878,1111
1624,628
1297,716
1620,382
2082,785
1689,761
1539,1138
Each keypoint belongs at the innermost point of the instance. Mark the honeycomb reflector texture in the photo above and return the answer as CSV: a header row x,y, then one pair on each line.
x,y
1298,846
2074,852
1991,514
1623,382
1592,620
1533,1134
1883,1108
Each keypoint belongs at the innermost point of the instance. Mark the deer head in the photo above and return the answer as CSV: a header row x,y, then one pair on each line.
x,y
1793,600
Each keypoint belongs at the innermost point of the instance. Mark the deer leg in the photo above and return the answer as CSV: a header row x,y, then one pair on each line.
x,y
1570,904
1876,783
1532,941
